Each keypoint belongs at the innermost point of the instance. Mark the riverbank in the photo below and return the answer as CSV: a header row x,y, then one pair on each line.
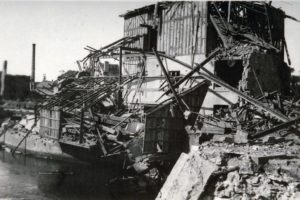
x,y
34,145
28,177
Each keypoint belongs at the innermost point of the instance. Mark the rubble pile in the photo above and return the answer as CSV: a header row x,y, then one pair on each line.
x,y
261,171
255,155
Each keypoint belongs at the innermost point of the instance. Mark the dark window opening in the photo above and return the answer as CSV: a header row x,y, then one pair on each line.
x,y
174,73
150,39
230,71
220,110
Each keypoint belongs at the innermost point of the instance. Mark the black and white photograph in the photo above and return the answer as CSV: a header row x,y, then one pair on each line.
x,y
149,100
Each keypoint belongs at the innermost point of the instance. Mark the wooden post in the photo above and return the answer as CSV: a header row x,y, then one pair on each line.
x,y
35,113
60,123
4,71
32,78
228,11
81,126
79,66
120,80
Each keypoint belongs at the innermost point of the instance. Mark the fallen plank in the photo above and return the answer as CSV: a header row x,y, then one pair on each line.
x,y
275,128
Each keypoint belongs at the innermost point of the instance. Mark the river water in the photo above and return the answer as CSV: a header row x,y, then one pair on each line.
x,y
26,177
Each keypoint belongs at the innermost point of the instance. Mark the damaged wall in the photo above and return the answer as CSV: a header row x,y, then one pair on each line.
x,y
186,31
180,27
265,68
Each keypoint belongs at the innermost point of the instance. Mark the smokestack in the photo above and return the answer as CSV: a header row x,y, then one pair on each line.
x,y
32,78
4,71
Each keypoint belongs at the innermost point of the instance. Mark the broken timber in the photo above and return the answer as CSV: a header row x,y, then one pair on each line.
x,y
276,128
179,101
211,77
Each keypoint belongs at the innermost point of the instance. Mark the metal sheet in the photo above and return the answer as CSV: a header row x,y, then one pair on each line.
x,y
50,123
176,36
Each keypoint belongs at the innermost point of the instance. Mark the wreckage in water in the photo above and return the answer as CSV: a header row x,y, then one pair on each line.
x,y
91,125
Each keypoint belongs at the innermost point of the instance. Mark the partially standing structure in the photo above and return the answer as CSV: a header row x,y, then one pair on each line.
x,y
251,34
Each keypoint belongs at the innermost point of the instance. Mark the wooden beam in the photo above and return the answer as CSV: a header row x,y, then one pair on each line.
x,y
120,80
211,77
179,101
223,38
196,69
275,128
81,126
228,11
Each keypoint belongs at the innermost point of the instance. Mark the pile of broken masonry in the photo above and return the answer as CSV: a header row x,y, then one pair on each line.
x,y
240,153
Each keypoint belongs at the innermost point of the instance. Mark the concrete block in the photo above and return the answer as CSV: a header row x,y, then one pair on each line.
x,y
188,178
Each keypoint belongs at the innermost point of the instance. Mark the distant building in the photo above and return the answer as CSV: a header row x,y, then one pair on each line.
x,y
16,86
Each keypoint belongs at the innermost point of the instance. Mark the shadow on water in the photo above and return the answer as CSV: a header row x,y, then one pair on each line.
x,y
27,177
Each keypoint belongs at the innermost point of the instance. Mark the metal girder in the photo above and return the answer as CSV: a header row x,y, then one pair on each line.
x,y
211,77
275,128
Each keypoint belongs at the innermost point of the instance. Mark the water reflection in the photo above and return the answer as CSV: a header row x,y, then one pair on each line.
x,y
26,177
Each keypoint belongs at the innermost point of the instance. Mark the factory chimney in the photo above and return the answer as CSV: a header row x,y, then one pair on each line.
x,y
32,78
3,74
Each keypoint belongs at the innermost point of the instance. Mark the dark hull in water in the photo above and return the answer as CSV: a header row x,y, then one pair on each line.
x,y
91,154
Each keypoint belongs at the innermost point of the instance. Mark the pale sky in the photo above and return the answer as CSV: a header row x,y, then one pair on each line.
x,y
62,29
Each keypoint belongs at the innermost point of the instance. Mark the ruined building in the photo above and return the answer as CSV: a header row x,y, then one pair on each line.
x,y
252,34
208,78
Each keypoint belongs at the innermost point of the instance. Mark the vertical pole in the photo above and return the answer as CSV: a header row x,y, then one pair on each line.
x,y
35,113
229,11
79,66
60,123
120,80
81,126
32,78
4,71
268,20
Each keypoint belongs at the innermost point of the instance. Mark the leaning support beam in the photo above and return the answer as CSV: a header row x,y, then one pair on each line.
x,y
179,101
79,66
100,140
211,77
223,38
28,133
220,96
276,128
196,69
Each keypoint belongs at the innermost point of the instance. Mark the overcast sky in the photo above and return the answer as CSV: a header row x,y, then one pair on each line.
x,y
61,30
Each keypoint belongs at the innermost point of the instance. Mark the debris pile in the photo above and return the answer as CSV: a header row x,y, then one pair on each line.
x,y
252,171
262,171
254,154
